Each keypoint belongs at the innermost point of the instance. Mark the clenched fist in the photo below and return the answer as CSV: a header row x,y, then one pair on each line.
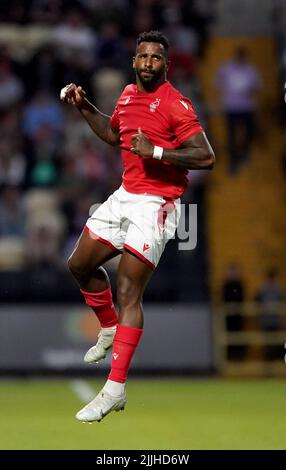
x,y
72,94
141,145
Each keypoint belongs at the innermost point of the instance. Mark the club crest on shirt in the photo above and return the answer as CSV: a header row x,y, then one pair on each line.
x,y
154,105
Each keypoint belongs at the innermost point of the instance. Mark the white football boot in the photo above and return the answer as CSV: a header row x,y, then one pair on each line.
x,y
104,343
100,406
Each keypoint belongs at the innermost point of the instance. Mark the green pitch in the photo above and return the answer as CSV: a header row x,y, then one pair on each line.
x,y
160,414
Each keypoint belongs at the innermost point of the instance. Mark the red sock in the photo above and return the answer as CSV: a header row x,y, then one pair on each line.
x,y
125,343
102,305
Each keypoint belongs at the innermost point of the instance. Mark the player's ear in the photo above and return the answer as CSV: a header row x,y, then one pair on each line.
x,y
133,61
168,63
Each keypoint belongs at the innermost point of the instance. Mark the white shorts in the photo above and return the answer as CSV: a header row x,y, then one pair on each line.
x,y
140,223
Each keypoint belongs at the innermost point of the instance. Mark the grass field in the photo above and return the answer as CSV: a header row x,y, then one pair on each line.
x,y
160,414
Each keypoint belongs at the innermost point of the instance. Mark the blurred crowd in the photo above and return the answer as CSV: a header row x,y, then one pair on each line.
x,y
52,167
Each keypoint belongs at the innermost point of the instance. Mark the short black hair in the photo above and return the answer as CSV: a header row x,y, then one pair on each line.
x,y
154,36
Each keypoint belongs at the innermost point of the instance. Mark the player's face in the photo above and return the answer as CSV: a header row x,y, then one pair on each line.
x,y
150,63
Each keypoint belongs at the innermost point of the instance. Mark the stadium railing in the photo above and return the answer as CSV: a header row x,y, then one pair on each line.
x,y
250,339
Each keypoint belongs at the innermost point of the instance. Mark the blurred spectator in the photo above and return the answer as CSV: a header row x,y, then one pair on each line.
x,y
233,286
110,11
7,56
270,291
73,70
233,292
14,11
74,38
46,70
183,39
43,109
77,214
12,229
269,294
44,155
70,187
233,296
12,163
45,230
279,23
43,248
11,87
142,19
108,84
110,48
75,129
12,213
46,11
89,162
75,48
181,64
270,297
10,125
238,82
199,16
114,169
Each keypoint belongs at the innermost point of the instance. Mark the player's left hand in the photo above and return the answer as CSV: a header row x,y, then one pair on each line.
x,y
141,145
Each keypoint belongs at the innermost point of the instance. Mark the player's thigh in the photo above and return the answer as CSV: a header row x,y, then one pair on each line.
x,y
132,277
152,228
89,253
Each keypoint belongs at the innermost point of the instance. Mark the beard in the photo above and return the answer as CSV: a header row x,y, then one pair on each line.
x,y
151,78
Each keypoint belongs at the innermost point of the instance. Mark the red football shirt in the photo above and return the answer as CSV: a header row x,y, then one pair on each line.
x,y
168,119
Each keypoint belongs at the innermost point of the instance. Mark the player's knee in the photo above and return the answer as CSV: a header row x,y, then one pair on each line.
x,y
128,293
72,265
77,267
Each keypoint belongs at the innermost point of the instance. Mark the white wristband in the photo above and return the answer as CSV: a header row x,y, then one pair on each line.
x,y
158,152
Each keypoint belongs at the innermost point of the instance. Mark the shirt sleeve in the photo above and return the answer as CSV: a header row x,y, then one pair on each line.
x,y
114,120
184,120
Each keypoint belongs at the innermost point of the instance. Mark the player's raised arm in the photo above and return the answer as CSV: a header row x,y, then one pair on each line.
x,y
98,121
